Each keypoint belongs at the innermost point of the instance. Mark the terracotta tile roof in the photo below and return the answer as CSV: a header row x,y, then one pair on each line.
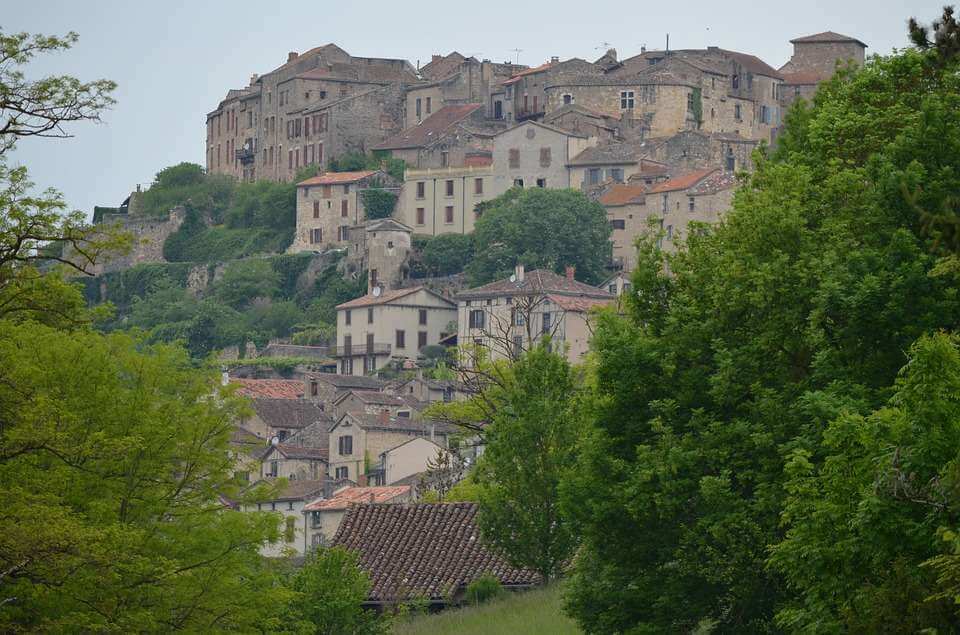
x,y
716,182
682,181
430,129
516,77
752,63
334,178
537,281
288,413
578,305
623,194
347,496
827,36
430,550
269,388
804,77
299,452
444,66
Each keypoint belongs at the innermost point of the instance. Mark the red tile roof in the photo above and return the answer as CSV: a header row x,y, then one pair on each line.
x,y
430,550
530,71
430,129
269,388
623,194
682,181
352,495
334,178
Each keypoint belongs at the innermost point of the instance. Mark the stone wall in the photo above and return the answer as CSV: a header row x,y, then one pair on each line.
x,y
149,235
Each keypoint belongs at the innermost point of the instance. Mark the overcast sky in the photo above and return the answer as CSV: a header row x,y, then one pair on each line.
x,y
174,60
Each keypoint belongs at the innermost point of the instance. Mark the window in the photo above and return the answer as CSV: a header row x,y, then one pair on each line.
x,y
617,174
346,317
546,322
401,339
347,344
313,389
514,158
541,182
429,105
689,102
476,319
273,468
691,203
421,214
618,223
444,159
737,112
498,109
418,107
290,160
341,472
796,91
316,235
518,319
421,339
669,232
593,176
626,99
567,99
478,186
370,316
448,214
544,157
421,189
449,188
316,209
343,208
664,204
423,317
327,191
518,183
735,82
765,114
345,445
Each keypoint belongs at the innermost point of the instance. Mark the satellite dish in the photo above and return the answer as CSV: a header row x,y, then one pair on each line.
x,y
274,440
377,291
513,278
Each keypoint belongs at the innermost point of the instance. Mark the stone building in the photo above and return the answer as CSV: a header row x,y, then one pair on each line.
x,y
533,154
329,204
381,248
443,139
525,92
815,58
605,127
389,324
322,517
261,130
443,200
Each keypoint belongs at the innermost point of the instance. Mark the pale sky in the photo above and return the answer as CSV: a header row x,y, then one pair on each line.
x,y
175,60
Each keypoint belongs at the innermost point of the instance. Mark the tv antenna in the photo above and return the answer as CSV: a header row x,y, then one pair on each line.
x,y
518,52
603,46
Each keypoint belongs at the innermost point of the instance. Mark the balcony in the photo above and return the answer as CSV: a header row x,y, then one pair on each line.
x,y
247,153
523,115
359,350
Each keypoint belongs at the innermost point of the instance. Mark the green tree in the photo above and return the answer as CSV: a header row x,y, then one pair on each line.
x,y
189,185
112,463
529,444
244,281
263,204
541,228
378,202
797,308
869,513
446,254
331,589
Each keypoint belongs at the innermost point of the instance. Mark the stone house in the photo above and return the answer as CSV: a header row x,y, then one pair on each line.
x,y
322,517
323,388
575,118
525,92
244,450
289,503
444,200
814,60
504,318
695,150
425,551
293,462
382,325
615,162
702,196
407,459
428,390
358,439
282,418
532,154
369,402
381,248
627,213
329,204
253,130
444,138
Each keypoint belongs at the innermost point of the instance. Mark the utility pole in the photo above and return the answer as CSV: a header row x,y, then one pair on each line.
x,y
517,51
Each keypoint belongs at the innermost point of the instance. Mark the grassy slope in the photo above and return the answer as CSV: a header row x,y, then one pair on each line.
x,y
536,611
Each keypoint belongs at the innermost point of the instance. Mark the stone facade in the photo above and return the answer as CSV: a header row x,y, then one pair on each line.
x,y
533,154
814,59
381,248
443,200
149,234
455,79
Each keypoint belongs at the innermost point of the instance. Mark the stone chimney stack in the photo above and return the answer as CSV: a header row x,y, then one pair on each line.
x,y
554,59
435,57
519,272
253,79
292,55
571,270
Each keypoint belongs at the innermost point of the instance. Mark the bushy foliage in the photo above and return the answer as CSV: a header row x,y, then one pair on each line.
x,y
378,203
355,161
540,228
264,205
483,589
442,255
189,185
244,281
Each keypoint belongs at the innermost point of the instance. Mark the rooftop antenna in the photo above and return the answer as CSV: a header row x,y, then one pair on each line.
x,y
668,42
603,46
518,52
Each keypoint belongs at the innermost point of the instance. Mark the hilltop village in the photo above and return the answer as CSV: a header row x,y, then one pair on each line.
x,y
656,139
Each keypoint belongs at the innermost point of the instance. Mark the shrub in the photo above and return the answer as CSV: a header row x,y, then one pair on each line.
x,y
378,203
483,589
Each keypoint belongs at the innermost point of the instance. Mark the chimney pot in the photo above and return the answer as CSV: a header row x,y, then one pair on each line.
x,y
292,55
519,272
570,271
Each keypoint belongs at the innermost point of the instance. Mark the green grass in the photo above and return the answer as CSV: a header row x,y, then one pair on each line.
x,y
537,611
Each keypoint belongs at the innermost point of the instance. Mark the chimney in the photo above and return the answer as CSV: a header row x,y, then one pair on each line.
x,y
435,57
554,59
570,271
612,54
292,55
643,48
518,272
253,79
362,480
372,497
